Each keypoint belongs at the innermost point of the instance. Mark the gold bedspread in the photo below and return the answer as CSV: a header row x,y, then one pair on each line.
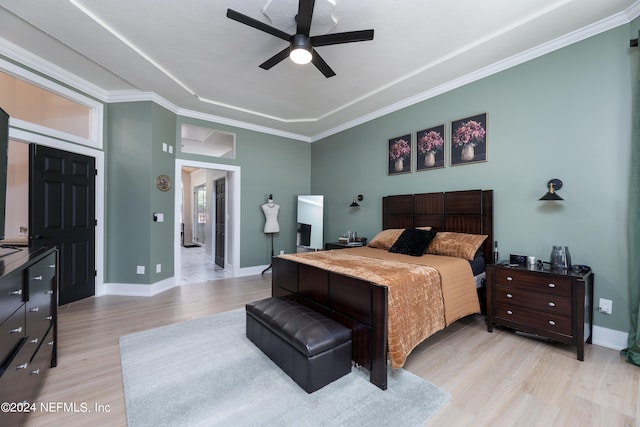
x,y
425,293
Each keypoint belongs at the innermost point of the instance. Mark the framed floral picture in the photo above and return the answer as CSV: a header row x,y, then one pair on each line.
x,y
399,154
430,150
469,140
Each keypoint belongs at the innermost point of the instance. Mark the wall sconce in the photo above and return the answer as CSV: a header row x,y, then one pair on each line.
x,y
356,199
552,186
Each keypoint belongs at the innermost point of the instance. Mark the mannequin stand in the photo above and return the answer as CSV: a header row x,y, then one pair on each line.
x,y
272,254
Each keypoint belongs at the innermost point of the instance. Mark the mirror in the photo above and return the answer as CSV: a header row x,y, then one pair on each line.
x,y
310,232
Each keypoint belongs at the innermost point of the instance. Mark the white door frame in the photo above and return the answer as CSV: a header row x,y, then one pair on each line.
x,y
233,186
28,137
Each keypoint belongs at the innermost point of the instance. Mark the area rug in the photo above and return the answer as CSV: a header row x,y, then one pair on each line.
x,y
205,372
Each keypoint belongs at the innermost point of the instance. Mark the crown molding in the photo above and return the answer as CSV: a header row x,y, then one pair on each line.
x,y
520,58
138,96
52,71
243,125
26,59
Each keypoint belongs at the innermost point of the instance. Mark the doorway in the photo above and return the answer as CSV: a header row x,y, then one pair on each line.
x,y
62,213
222,227
24,138
220,223
200,214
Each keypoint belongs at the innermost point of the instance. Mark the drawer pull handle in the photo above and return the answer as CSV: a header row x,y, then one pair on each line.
x,y
50,343
23,366
34,309
509,312
16,292
552,323
509,278
52,266
552,304
36,278
34,341
49,292
509,296
36,372
17,330
552,285
48,318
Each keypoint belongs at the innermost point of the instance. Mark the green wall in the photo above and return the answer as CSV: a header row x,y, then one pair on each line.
x,y
163,163
135,133
565,115
129,164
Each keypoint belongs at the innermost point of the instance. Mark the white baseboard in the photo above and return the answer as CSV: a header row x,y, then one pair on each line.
x,y
140,290
253,271
609,338
136,290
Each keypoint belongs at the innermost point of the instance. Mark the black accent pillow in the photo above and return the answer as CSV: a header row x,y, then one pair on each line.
x,y
478,264
413,241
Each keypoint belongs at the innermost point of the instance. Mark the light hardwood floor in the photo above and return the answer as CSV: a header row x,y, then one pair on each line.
x,y
495,379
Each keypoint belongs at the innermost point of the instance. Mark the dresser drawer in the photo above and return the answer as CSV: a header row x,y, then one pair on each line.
x,y
42,358
547,283
11,295
12,331
40,274
549,303
39,320
15,367
547,321
24,373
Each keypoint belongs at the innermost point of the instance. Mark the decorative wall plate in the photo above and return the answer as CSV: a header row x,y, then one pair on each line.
x,y
163,182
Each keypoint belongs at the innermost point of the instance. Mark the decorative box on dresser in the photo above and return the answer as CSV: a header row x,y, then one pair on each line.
x,y
28,327
557,305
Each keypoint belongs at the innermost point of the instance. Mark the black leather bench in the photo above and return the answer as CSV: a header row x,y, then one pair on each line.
x,y
309,347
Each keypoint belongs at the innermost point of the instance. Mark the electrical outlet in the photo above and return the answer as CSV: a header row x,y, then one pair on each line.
x,y
140,269
605,306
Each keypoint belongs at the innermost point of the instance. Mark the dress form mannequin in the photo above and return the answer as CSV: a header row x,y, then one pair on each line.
x,y
270,210
271,226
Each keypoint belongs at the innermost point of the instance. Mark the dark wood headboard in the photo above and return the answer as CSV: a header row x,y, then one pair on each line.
x,y
468,211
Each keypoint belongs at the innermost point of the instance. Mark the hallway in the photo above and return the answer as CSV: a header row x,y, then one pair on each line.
x,y
197,267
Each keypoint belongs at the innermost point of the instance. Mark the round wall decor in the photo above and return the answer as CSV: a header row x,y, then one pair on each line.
x,y
163,182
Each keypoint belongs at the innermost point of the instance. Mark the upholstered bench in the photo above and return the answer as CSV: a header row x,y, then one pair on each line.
x,y
309,347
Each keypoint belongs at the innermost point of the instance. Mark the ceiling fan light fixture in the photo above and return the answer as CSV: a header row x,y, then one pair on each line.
x,y
300,52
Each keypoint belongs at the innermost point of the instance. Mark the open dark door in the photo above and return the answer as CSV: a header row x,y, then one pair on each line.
x,y
221,200
62,213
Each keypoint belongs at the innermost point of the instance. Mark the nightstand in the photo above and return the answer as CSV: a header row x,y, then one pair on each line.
x,y
557,305
340,245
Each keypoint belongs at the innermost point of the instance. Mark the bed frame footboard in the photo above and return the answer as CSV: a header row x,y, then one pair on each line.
x,y
355,303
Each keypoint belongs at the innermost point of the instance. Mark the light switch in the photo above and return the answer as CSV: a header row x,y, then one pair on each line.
x,y
158,217
140,269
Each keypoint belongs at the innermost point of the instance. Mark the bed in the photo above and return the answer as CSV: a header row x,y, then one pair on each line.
x,y
393,301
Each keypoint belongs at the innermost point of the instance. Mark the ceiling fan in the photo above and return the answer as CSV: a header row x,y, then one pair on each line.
x,y
301,44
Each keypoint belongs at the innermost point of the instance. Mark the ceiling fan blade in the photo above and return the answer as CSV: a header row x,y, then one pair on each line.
x,y
258,25
275,59
321,65
338,38
303,18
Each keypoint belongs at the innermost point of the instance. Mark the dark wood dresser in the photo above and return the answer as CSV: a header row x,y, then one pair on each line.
x,y
557,305
28,327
